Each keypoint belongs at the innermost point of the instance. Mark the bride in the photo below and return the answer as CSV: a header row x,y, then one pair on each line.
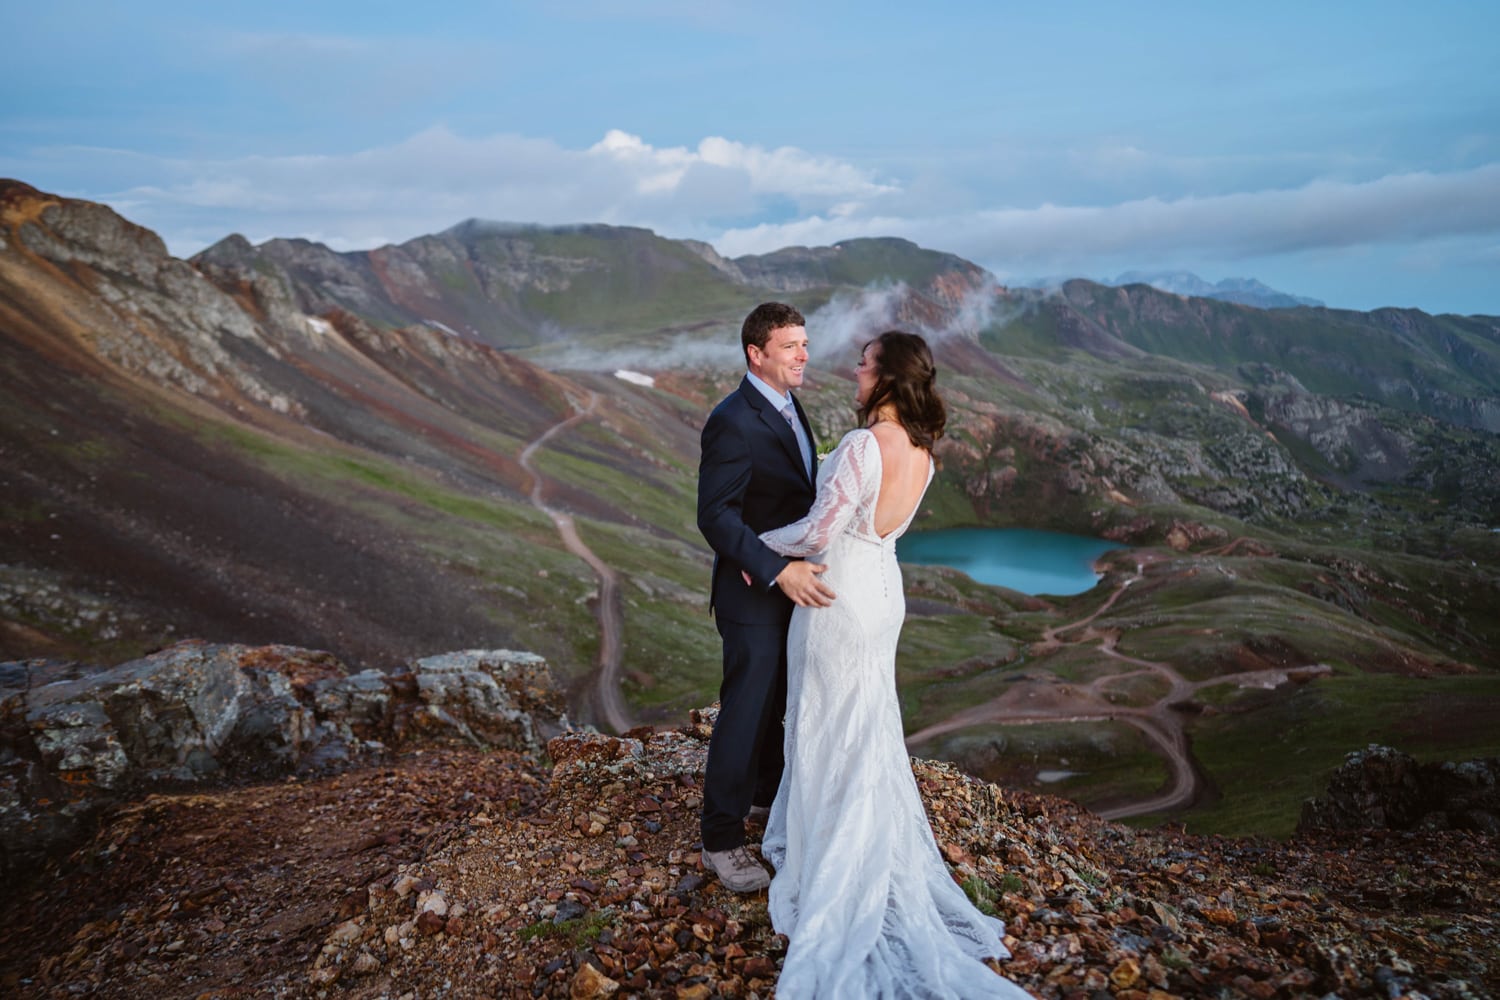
x,y
860,889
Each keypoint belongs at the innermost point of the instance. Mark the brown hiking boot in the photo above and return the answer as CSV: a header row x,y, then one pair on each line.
x,y
737,869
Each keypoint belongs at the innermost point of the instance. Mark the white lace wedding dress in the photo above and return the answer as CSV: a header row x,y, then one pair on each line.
x,y
860,889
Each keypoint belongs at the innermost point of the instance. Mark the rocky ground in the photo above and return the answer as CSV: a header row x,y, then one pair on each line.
x,y
470,873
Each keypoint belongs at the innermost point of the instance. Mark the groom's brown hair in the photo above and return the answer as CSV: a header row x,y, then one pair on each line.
x,y
762,320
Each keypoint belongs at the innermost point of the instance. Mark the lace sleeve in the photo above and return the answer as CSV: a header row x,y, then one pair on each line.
x,y
851,472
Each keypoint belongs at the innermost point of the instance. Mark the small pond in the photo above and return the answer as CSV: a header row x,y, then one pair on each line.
x,y
1032,562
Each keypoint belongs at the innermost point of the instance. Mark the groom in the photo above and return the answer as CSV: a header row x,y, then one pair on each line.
x,y
756,473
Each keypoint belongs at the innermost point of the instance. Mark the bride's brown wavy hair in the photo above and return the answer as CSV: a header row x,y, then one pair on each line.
x,y
906,378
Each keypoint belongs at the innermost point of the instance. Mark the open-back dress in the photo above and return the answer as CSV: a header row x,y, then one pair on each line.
x,y
865,899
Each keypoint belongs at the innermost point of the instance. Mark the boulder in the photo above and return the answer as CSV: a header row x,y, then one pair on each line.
x,y
490,697
1383,788
74,743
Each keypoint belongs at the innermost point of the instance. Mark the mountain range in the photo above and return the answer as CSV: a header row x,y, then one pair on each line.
x,y
382,454
1246,291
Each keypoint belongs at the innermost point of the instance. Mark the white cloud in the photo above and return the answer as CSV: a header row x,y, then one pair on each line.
x,y
1321,214
744,198
784,172
437,178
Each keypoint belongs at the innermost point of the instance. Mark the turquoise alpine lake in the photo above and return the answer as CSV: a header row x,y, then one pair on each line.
x,y
1032,562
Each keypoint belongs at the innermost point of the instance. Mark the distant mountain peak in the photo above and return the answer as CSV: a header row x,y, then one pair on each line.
x,y
1245,291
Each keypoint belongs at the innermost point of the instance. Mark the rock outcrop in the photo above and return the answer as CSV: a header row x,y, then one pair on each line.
x,y
198,713
1380,788
461,872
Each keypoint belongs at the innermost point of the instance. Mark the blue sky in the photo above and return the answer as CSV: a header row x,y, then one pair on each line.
x,y
1345,151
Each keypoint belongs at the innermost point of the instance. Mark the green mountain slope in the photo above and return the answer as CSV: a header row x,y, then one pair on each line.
x,y
1445,366
366,452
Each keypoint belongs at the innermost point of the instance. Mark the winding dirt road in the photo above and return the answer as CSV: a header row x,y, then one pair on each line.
x,y
1041,697
1035,698
601,703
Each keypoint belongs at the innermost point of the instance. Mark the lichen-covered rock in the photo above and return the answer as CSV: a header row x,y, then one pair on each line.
x,y
499,698
200,712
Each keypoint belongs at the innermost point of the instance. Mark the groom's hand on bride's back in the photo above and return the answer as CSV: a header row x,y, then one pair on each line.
x,y
799,581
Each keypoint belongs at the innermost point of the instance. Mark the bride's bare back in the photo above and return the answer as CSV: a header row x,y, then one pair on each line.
x,y
903,476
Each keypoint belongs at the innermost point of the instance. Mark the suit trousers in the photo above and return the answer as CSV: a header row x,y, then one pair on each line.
x,y
745,753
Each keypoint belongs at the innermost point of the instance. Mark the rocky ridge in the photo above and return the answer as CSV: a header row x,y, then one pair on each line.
x,y
446,867
75,744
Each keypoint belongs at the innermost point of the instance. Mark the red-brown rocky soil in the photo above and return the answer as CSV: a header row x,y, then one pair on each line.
x,y
464,873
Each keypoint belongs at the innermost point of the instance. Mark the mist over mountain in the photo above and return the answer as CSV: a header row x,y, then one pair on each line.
x,y
381,454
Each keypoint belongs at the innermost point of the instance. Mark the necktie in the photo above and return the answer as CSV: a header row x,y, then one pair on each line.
x,y
790,414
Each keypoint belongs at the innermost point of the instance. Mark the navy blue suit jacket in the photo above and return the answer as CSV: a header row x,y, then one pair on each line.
x,y
750,479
